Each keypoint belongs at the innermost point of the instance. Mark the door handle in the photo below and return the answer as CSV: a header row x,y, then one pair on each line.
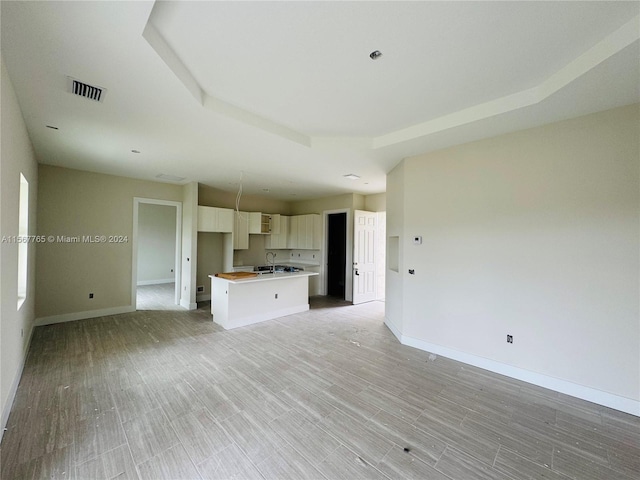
x,y
357,273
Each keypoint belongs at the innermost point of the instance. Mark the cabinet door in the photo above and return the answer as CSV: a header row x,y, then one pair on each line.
x,y
255,219
302,232
292,241
283,236
241,231
308,236
317,232
275,223
206,219
225,220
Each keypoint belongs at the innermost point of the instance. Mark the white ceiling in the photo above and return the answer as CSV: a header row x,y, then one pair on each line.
x,y
286,93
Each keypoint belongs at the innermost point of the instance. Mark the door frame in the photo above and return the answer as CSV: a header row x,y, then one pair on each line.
x,y
134,255
348,277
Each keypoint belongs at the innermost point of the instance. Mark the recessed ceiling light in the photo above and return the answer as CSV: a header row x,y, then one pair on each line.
x,y
135,151
376,54
51,127
351,176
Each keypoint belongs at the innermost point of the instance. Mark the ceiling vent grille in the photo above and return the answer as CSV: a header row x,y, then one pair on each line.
x,y
85,90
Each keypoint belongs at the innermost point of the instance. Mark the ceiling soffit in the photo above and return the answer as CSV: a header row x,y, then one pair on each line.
x,y
614,43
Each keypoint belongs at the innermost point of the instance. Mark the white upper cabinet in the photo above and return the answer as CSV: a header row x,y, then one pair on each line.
x,y
214,219
278,240
305,232
259,223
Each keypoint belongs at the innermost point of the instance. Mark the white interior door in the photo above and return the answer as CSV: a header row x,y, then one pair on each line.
x,y
364,253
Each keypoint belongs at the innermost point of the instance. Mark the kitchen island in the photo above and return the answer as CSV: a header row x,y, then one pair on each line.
x,y
237,303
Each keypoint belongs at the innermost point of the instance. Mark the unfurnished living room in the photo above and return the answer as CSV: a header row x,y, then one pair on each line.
x,y
320,240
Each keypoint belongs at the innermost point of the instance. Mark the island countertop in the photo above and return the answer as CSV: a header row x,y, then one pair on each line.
x,y
266,277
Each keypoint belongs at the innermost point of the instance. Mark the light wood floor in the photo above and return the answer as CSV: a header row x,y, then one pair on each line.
x,y
325,394
156,297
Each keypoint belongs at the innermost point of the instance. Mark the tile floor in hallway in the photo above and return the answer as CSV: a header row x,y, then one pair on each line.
x,y
327,394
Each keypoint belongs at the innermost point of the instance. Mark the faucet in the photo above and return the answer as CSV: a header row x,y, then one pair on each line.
x,y
273,261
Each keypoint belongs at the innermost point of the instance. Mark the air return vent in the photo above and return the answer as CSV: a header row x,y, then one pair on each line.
x,y
85,90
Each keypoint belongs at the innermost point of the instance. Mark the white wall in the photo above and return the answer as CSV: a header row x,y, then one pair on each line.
x,y
189,245
17,157
533,234
156,243
211,252
394,278
77,203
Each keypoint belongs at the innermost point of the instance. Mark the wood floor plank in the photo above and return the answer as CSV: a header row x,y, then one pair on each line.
x,y
149,434
305,437
344,464
170,464
329,392
229,463
116,463
518,467
98,434
200,434
400,464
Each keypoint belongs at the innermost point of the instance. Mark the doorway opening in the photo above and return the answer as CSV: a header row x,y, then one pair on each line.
x,y
156,255
336,254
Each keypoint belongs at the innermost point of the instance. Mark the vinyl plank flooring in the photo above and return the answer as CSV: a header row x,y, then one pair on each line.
x,y
55,465
305,437
173,463
325,393
256,442
200,434
530,447
149,434
400,464
98,434
584,467
116,463
393,404
344,464
456,464
230,463
518,467
367,444
422,446
287,463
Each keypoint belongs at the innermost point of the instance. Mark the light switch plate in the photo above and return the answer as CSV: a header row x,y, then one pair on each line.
x,y
417,240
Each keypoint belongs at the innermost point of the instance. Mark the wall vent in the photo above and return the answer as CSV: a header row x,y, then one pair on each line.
x,y
85,90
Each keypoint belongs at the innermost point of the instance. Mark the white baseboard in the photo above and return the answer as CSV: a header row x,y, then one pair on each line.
x,y
203,298
261,317
189,306
393,328
155,282
606,399
14,386
70,317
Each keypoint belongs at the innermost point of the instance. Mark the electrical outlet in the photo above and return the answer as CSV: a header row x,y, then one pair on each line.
x,y
509,338
200,288
91,295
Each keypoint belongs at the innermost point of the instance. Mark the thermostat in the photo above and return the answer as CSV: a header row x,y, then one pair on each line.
x,y
417,240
